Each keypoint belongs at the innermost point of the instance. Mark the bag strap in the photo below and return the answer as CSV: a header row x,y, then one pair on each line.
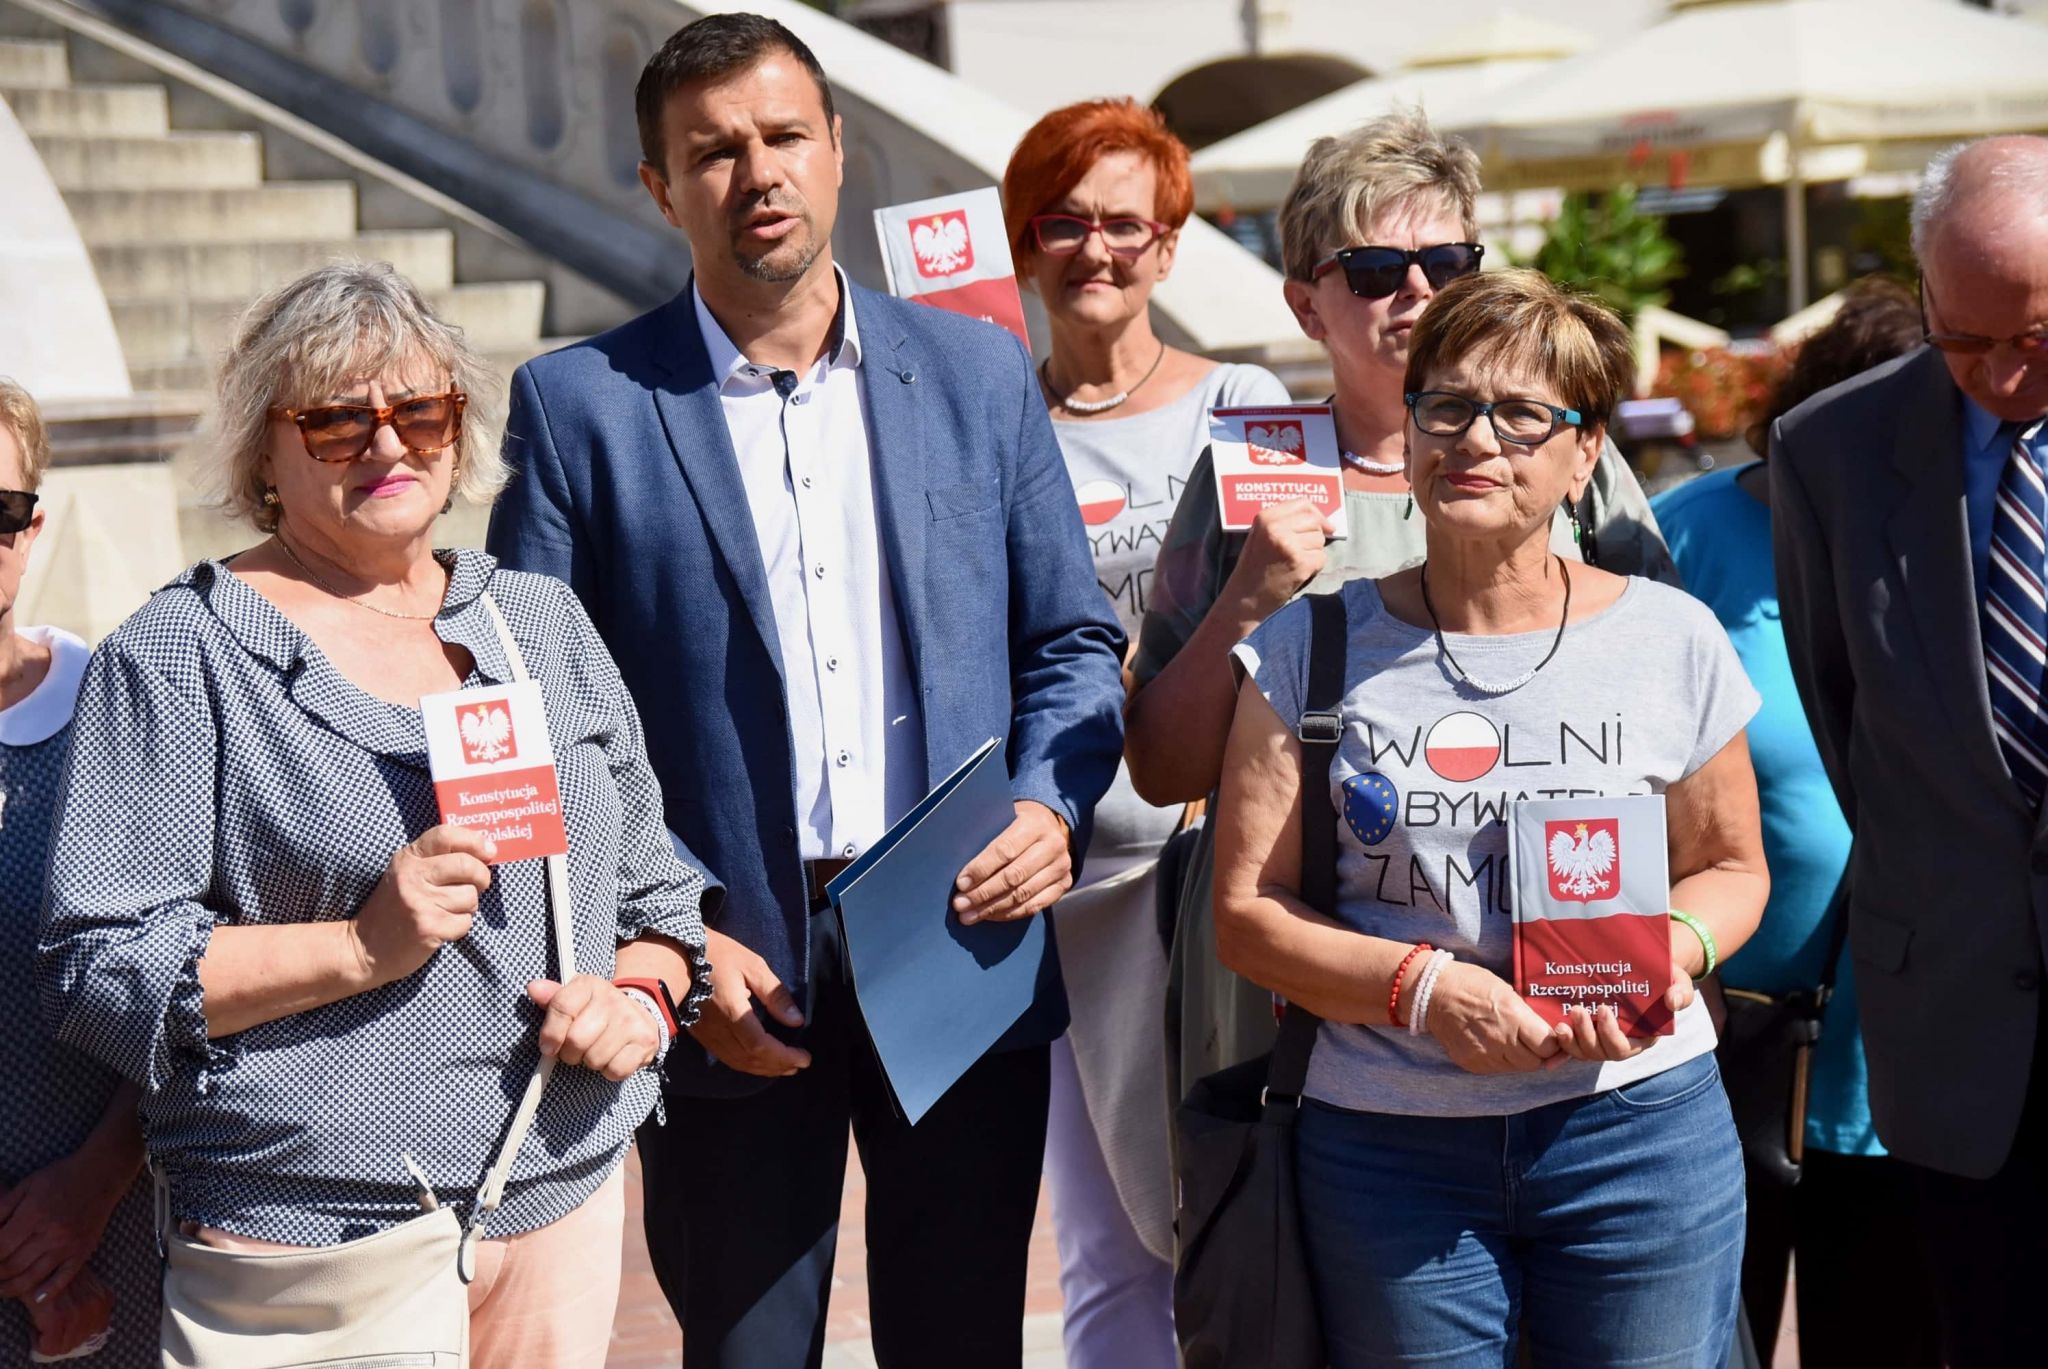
x,y
1320,729
493,1191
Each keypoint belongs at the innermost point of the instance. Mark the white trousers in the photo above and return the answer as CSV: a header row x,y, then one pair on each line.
x,y
1119,1295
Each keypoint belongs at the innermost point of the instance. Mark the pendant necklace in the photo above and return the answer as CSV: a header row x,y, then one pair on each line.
x,y
1512,685
1099,406
312,575
1359,463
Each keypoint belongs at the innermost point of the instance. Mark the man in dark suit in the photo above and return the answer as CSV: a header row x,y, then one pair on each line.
x,y
1908,507
830,540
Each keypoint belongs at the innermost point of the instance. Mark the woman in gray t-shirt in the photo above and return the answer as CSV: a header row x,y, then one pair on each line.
x,y
1469,1173
1095,195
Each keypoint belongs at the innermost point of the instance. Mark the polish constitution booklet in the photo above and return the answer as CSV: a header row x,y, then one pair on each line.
x,y
1592,882
1272,455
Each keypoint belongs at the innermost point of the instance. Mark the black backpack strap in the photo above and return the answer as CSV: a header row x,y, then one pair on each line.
x,y
1320,729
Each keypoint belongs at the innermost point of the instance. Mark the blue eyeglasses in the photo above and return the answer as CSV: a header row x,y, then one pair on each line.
x,y
1523,422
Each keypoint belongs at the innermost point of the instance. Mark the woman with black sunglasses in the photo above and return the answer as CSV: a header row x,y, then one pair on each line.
x,y
1095,195
331,997
77,1265
1376,222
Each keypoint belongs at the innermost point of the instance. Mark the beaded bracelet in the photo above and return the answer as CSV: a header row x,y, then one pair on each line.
x,y
1699,929
1394,992
1425,991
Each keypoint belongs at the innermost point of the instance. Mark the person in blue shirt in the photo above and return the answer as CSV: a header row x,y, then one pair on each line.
x,y
1843,1217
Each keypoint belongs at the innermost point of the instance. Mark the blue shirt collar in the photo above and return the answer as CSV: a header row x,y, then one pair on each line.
x,y
1988,434
1980,426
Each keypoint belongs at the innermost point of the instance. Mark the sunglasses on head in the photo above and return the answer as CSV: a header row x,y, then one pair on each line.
x,y
1376,272
344,432
17,509
1061,235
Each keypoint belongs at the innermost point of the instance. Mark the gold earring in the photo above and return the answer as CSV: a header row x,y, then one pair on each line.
x,y
270,500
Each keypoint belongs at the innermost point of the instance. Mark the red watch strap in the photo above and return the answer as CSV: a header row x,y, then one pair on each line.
x,y
658,991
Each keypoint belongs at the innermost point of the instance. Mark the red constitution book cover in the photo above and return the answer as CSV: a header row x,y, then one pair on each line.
x,y
1592,888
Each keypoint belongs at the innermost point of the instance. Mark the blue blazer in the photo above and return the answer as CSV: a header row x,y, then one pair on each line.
x,y
626,486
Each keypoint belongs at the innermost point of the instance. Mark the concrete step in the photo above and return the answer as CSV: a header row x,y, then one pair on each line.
x,y
286,211
243,270
33,65
494,316
85,111
178,161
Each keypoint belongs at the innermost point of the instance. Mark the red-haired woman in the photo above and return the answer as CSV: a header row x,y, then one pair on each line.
x,y
1095,196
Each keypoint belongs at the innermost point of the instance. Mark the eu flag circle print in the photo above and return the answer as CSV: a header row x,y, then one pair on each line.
x,y
1370,803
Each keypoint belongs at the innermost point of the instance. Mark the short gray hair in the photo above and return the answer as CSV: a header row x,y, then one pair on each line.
x,y
1941,189
1345,184
20,416
297,346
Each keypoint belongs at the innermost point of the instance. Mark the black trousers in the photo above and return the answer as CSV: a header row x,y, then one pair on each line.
x,y
1865,1301
743,1197
1986,1242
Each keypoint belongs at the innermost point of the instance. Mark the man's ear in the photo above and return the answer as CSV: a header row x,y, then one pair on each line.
x,y
1301,298
657,187
839,146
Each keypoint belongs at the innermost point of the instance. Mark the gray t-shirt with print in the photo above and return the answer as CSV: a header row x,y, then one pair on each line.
x,y
1128,475
1640,694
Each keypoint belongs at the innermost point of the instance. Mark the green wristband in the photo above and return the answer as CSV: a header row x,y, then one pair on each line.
x,y
1699,929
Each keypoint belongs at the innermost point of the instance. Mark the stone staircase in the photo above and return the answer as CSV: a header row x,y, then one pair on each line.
x,y
185,228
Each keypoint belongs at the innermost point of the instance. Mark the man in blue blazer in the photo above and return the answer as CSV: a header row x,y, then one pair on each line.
x,y
830,540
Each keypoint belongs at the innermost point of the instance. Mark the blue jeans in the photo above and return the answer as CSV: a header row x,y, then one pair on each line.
x,y
1607,1229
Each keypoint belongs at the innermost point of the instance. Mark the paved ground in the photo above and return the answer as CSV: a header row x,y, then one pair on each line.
x,y
645,1335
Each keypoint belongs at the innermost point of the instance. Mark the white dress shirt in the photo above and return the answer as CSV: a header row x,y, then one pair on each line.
x,y
856,730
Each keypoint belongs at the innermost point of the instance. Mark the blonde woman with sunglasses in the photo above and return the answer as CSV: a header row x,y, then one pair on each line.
x,y
330,998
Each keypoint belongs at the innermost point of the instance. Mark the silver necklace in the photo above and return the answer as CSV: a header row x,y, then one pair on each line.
x,y
1359,463
314,576
1099,406
1512,685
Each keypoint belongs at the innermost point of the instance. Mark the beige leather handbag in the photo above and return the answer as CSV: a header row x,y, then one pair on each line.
x,y
394,1300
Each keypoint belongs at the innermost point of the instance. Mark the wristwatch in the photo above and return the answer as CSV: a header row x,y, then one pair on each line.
x,y
656,991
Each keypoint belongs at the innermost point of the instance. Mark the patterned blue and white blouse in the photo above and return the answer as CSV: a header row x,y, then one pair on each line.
x,y
55,1096
224,772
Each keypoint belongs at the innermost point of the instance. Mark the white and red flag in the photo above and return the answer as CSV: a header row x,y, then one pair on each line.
x,y
953,253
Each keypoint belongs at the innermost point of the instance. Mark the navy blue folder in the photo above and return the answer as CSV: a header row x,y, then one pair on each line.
x,y
936,995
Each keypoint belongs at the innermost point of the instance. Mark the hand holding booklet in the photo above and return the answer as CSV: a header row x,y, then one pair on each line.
x,y
1592,884
935,993
494,767
1275,455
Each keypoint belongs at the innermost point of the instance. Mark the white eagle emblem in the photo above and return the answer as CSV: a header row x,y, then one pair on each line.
x,y
486,734
941,244
1274,444
1580,862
